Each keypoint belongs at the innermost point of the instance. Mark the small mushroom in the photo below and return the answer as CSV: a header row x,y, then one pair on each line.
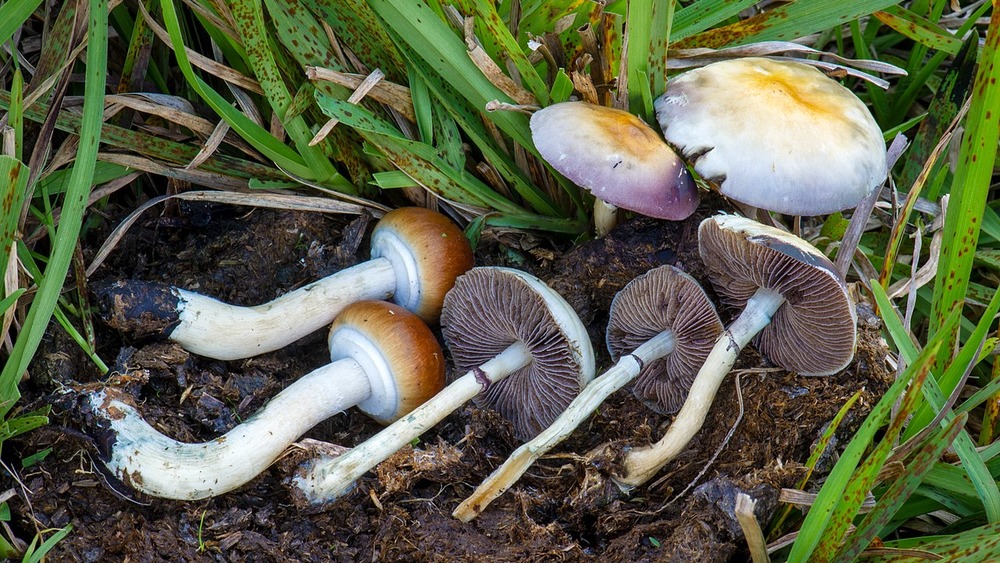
x,y
661,328
617,157
384,360
416,254
778,135
526,354
795,307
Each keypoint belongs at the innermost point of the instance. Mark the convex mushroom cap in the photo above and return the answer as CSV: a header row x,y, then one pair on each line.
x,y
661,330
523,349
416,254
384,359
616,156
793,301
778,135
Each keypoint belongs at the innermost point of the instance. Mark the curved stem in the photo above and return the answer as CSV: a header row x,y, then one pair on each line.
x,y
150,462
642,463
627,368
211,328
324,480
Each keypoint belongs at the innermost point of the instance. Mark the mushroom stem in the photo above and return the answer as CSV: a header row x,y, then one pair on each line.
x,y
268,327
161,466
324,480
642,463
627,368
605,217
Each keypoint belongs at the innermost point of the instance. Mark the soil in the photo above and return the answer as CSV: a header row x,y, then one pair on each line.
x,y
564,508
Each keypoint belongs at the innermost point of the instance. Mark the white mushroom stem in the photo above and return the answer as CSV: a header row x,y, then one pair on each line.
x,y
148,461
627,368
325,480
250,331
642,463
605,217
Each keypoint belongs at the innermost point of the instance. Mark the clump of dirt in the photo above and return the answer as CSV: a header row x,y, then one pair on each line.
x,y
564,508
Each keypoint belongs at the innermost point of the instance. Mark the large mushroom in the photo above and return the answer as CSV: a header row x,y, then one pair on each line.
x,y
778,135
615,156
384,360
661,328
525,353
416,254
795,307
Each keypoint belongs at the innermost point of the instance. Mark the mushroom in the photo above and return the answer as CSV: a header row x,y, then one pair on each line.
x,y
416,256
617,157
661,328
384,360
795,307
778,135
526,354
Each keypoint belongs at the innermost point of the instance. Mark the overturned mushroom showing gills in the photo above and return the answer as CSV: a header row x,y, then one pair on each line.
x,y
795,307
617,157
778,135
384,360
661,329
526,354
416,254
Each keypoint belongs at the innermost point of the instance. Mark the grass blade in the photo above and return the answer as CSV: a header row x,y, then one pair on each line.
x,y
971,186
74,205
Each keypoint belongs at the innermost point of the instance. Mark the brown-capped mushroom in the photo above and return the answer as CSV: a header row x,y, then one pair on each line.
x,y
525,353
616,157
384,360
795,307
416,254
778,135
661,328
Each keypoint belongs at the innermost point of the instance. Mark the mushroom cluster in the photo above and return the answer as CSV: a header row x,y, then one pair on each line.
x,y
416,254
525,353
794,306
662,327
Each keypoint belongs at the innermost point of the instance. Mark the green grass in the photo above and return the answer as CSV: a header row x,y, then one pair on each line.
x,y
265,113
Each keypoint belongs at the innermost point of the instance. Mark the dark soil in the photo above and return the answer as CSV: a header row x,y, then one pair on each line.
x,y
563,508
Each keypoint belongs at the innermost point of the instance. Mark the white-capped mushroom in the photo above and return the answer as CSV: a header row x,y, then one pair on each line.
x,y
661,329
616,157
416,254
795,307
525,353
384,360
778,135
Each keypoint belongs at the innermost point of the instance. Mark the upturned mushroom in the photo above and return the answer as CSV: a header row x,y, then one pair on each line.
x,y
526,354
661,328
795,307
384,360
416,254
616,157
778,135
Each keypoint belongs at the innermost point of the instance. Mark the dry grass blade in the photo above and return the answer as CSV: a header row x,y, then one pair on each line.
x,y
272,201
359,94
751,528
391,94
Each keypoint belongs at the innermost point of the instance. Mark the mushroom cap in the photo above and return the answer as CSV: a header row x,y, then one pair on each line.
x,y
814,331
778,135
403,360
617,157
664,298
427,252
491,308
